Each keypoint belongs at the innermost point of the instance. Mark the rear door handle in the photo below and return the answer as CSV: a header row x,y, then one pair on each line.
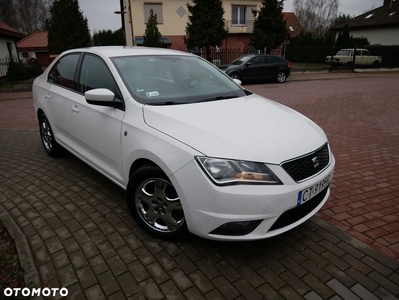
x,y
75,109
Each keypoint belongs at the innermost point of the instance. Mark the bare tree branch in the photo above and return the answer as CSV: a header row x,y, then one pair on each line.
x,y
316,16
24,15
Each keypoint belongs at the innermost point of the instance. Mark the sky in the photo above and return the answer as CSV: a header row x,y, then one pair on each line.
x,y
100,13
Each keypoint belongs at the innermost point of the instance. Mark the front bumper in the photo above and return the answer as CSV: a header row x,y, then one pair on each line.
x,y
274,207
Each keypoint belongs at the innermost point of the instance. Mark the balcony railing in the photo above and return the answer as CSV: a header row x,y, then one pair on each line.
x,y
234,26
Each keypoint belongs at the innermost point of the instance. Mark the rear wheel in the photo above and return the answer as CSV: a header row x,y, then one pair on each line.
x,y
155,205
46,133
235,75
281,77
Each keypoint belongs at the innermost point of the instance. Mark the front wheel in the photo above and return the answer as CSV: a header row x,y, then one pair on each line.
x,y
46,133
155,205
235,75
281,77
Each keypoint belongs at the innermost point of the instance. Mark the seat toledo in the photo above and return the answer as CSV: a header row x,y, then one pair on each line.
x,y
194,150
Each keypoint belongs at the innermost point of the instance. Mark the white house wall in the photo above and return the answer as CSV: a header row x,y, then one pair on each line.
x,y
4,50
382,36
173,23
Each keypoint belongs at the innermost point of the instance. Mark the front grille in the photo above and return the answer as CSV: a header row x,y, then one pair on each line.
x,y
309,165
297,213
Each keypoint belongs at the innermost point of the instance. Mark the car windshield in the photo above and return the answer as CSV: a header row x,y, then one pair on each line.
x,y
241,60
166,79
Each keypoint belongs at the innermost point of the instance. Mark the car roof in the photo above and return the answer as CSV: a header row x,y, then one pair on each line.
x,y
260,54
115,51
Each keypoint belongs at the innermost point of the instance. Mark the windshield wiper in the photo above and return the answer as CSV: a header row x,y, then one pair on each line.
x,y
166,103
217,98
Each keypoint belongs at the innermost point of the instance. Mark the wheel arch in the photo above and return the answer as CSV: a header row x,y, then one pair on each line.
x,y
38,113
138,163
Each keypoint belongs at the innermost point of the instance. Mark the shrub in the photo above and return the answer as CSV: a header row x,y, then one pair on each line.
x,y
17,71
22,71
34,68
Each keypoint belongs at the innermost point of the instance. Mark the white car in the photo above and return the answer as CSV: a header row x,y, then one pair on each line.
x,y
194,150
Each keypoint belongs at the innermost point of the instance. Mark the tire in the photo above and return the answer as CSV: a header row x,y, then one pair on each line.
x,y
235,75
48,140
281,77
376,64
154,204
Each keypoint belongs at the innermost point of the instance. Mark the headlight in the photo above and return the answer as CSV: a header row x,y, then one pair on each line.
x,y
226,171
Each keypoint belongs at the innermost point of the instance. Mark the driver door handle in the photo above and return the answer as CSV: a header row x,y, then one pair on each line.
x,y
75,109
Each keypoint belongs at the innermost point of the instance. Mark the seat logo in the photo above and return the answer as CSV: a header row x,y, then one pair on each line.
x,y
315,161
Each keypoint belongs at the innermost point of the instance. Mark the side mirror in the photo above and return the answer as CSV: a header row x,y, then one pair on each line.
x,y
237,81
102,97
248,64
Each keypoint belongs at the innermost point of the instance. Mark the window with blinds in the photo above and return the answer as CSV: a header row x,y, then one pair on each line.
x,y
157,8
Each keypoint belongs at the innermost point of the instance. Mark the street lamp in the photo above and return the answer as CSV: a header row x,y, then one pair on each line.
x,y
122,12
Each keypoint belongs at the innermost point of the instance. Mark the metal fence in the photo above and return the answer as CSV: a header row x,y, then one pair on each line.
x,y
5,62
16,86
313,58
223,56
20,83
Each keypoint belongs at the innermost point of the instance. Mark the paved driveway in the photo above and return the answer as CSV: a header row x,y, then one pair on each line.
x,y
361,118
81,236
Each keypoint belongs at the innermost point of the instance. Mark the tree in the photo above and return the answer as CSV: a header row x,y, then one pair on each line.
x,y
344,39
108,37
152,36
342,18
316,16
67,27
205,27
269,28
26,16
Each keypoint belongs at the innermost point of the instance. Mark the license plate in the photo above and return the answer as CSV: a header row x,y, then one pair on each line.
x,y
312,191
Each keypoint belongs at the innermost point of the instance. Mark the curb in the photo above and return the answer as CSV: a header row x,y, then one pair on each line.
x,y
32,279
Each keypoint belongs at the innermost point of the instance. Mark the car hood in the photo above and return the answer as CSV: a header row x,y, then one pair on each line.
x,y
248,128
224,67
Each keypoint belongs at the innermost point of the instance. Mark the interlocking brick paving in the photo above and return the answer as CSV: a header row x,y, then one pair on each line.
x,y
17,111
83,238
361,119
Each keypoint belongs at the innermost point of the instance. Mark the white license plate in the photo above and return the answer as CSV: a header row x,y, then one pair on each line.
x,y
312,191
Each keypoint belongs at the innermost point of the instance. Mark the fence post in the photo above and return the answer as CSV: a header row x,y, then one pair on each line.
x,y
354,59
332,60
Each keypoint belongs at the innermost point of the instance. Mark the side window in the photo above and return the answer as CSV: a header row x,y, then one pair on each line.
x,y
258,60
95,74
358,52
63,72
273,60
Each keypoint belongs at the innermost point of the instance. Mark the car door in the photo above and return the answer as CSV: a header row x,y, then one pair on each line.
x,y
61,88
97,129
273,64
254,68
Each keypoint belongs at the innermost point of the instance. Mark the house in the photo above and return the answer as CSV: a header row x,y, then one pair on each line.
x,y
293,25
8,48
379,26
172,16
34,46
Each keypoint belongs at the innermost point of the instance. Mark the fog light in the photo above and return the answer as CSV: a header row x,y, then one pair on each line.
x,y
236,228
